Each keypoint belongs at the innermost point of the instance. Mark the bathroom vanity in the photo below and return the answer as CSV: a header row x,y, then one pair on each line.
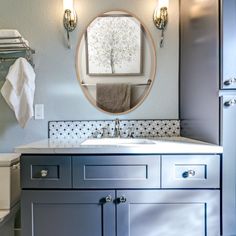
x,y
171,187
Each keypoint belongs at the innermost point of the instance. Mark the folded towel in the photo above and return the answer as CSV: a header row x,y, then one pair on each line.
x,y
11,33
18,90
113,98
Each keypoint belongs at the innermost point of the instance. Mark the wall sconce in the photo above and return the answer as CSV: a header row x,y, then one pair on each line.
x,y
160,18
70,18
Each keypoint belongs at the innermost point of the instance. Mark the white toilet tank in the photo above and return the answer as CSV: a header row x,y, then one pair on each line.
x,y
9,180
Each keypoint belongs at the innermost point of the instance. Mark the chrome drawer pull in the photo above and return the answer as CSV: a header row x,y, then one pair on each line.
x,y
230,103
44,173
189,173
230,81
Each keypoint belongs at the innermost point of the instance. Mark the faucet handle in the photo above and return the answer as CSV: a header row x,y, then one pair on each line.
x,y
100,133
129,133
103,131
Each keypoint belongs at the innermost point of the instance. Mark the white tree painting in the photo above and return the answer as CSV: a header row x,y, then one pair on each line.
x,y
114,46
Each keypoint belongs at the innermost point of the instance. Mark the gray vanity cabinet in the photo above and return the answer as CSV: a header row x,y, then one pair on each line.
x,y
68,213
168,213
120,195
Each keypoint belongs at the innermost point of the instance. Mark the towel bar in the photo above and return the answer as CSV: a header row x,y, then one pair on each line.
x,y
140,84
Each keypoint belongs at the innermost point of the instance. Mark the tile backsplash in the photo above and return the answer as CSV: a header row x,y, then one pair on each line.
x,y
91,128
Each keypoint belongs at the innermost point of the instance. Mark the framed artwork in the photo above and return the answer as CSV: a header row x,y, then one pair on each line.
x,y
114,46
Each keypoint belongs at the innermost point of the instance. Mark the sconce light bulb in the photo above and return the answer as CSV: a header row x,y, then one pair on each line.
x,y
163,3
68,5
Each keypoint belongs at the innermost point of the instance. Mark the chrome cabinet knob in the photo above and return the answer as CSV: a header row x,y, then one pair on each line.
x,y
108,199
122,199
230,81
189,173
230,103
44,173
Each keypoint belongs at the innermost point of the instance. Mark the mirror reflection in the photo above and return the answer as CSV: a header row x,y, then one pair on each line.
x,y
116,62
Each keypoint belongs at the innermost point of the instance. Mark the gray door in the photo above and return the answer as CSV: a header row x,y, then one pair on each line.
x,y
168,213
229,164
68,213
229,44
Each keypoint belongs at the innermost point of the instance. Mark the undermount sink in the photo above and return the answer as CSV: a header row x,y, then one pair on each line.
x,y
116,141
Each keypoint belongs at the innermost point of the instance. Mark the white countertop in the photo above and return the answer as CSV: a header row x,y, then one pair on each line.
x,y
7,159
3,214
172,145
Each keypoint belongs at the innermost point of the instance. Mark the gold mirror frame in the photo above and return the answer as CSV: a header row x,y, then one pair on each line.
x,y
152,73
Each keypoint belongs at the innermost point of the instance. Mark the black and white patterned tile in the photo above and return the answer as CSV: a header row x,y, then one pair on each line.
x,y
88,129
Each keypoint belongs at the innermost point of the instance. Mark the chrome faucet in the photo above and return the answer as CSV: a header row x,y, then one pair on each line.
x,y
116,133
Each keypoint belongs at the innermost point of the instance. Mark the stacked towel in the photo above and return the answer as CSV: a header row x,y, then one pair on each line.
x,y
10,33
113,98
18,90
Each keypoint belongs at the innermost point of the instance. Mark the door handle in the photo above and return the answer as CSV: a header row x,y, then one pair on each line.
x,y
230,81
121,199
230,103
107,199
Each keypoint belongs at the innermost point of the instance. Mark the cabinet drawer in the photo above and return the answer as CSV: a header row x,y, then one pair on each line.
x,y
46,171
125,171
190,171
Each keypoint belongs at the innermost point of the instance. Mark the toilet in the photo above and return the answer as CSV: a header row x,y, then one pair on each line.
x,y
9,191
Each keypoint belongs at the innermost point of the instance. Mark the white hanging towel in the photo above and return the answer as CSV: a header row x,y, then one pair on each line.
x,y
18,90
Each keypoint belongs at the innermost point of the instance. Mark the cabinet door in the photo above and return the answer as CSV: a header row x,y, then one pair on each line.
x,y
229,44
68,213
229,164
168,213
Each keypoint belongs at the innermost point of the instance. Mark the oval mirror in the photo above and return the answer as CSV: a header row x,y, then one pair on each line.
x,y
116,62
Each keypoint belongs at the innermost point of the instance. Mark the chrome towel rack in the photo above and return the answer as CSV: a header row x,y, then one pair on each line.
x,y
10,47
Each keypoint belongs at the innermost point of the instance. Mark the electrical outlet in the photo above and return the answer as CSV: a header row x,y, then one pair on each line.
x,y
39,111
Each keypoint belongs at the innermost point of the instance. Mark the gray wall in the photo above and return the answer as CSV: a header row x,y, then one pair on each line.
x,y
40,22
